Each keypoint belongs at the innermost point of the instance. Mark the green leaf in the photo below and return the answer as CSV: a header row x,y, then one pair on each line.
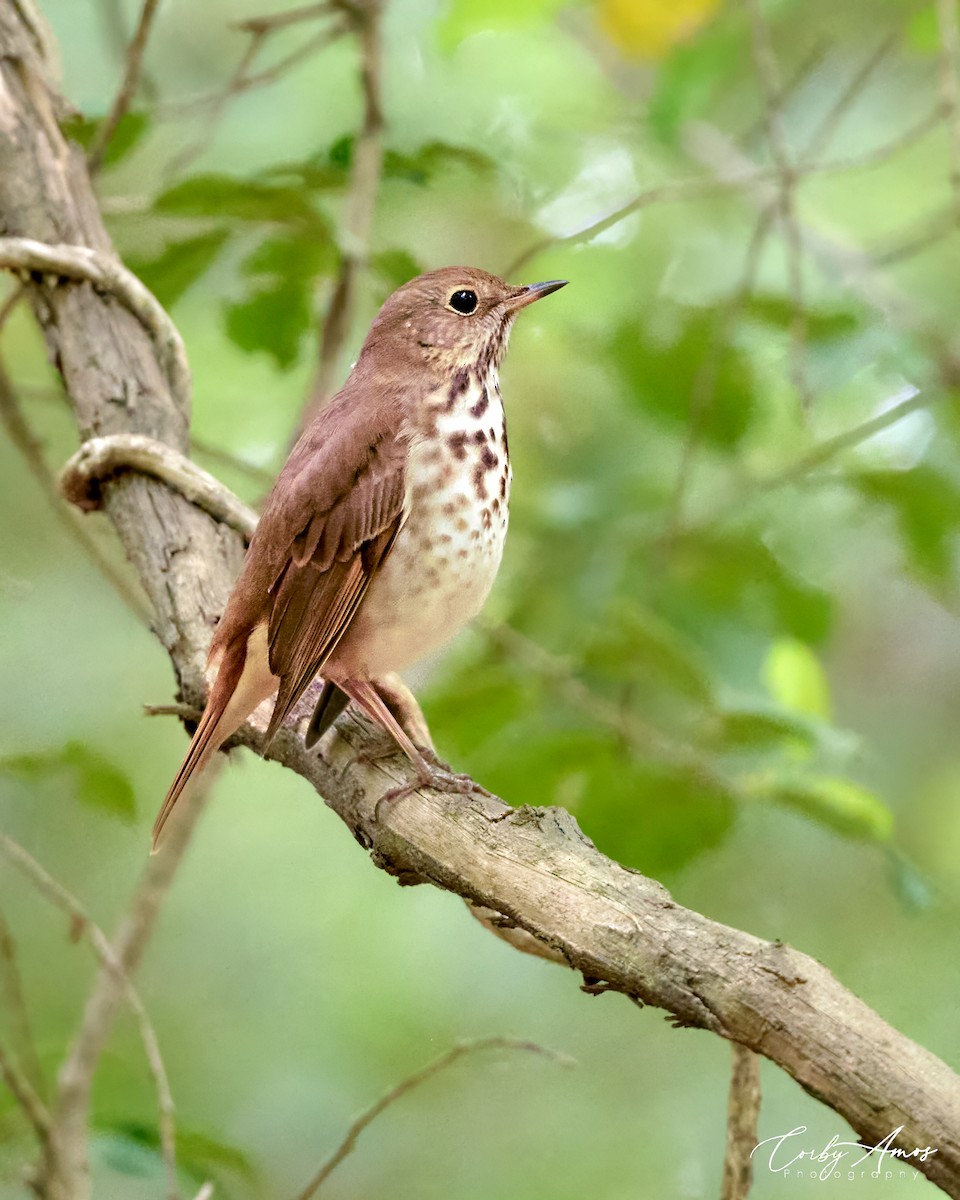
x,y
97,782
925,503
179,265
821,325
632,641
129,131
273,320
736,573
664,377
647,815
420,165
839,804
225,197
794,677
289,256
278,309
753,729
688,81
913,888
202,1156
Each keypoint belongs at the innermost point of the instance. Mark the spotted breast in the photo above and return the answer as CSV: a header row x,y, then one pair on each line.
x,y
447,553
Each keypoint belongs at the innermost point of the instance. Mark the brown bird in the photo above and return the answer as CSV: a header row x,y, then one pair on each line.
x,y
383,534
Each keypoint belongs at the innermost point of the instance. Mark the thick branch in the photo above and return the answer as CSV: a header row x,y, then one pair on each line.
x,y
531,865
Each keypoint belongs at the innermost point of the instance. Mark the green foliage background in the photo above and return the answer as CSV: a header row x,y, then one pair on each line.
x,y
746,684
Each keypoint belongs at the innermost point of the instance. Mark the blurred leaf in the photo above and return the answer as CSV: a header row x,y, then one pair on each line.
x,y
225,196
278,309
420,165
651,28
272,319
925,503
735,729
736,573
820,324
662,377
913,889
395,267
474,703
179,265
130,129
633,641
289,256
98,783
794,676
654,817
466,17
202,1156
688,82
839,804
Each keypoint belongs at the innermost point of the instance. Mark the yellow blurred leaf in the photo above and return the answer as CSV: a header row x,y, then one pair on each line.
x,y
651,28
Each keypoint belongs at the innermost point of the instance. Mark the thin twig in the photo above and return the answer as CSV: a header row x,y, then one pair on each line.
x,y
69,1117
133,63
271,22
408,1085
110,275
15,1002
98,459
768,73
358,209
22,437
690,190
23,1092
240,81
950,87
743,1113
217,454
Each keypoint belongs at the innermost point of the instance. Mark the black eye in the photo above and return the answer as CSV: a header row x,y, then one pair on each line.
x,y
463,302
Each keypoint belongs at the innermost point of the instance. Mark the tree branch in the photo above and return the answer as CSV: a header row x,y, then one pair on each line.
x,y
531,865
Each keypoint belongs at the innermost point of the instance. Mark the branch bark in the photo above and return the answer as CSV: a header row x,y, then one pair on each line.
x,y
533,866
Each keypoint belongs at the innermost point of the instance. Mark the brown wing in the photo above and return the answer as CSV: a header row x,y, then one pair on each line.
x,y
331,562
325,529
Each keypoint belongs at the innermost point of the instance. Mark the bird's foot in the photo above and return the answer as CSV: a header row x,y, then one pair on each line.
x,y
432,773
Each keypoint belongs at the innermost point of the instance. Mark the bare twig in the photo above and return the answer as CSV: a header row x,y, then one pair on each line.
x,y
217,454
100,458
743,1112
67,1142
768,72
128,87
110,275
271,22
16,1004
22,437
950,88
359,206
23,1093
408,1085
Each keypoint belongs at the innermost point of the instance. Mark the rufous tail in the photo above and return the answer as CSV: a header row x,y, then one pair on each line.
x,y
243,681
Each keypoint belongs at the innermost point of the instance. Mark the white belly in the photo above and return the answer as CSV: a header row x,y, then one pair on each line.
x,y
443,564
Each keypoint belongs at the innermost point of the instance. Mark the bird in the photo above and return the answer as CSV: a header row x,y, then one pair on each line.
x,y
383,533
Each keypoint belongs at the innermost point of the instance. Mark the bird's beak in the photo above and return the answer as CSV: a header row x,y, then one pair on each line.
x,y
534,291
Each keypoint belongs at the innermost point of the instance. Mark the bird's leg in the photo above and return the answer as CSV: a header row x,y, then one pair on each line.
x,y
432,774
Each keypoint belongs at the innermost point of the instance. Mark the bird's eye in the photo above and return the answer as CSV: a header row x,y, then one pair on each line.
x,y
464,301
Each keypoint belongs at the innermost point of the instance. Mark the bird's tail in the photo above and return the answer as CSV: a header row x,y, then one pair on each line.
x,y
243,681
